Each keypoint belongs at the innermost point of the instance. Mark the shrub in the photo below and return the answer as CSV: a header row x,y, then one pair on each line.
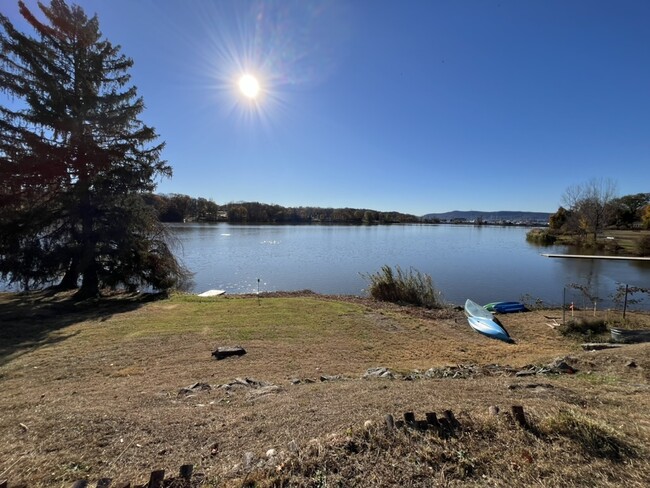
x,y
643,246
540,236
410,287
584,327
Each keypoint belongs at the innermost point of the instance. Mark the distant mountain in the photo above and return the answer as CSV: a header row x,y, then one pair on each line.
x,y
503,215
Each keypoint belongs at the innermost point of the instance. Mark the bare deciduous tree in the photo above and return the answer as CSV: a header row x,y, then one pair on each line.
x,y
589,204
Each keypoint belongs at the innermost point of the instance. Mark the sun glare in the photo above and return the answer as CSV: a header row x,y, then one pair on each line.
x,y
249,86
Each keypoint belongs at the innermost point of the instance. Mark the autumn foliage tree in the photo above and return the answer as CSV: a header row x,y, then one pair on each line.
x,y
75,160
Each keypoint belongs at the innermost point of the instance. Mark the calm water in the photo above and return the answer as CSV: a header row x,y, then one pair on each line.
x,y
485,264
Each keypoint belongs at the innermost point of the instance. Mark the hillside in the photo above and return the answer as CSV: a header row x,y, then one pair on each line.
x,y
503,215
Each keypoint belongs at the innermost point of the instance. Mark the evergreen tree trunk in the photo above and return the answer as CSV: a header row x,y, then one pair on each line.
x,y
70,280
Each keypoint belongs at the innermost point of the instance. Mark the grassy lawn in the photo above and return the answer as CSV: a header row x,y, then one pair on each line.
x,y
95,390
628,239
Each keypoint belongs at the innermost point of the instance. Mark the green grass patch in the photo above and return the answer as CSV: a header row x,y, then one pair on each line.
x,y
243,319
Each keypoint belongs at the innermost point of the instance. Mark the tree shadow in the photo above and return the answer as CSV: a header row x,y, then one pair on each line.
x,y
31,320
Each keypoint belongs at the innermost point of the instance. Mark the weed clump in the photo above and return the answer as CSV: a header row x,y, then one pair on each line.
x,y
412,287
584,327
594,438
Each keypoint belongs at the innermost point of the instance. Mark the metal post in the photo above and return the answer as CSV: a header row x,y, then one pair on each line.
x,y
564,305
625,303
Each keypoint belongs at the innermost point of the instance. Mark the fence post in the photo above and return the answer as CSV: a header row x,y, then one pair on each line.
x,y
186,471
156,479
625,302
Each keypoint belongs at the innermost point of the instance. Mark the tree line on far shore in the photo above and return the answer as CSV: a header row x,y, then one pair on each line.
x,y
183,208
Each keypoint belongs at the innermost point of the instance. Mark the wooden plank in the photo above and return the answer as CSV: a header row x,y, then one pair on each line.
x,y
227,351
597,346
585,256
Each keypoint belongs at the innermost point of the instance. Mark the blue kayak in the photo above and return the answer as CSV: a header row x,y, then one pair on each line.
x,y
485,323
505,307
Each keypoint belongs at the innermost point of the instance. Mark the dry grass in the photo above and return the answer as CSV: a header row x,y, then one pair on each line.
x,y
92,390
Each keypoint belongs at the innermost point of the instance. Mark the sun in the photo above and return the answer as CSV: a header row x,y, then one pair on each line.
x,y
249,86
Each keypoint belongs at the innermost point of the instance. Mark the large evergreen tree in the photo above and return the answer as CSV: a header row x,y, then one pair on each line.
x,y
75,160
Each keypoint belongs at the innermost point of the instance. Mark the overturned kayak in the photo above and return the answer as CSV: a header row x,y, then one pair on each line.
x,y
484,322
505,307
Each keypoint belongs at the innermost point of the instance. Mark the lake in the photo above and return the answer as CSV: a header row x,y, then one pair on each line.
x,y
484,263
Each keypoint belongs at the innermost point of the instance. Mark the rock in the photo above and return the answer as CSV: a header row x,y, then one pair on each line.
x,y
293,446
559,365
249,459
493,410
330,378
193,389
380,372
271,453
526,372
295,381
264,390
631,364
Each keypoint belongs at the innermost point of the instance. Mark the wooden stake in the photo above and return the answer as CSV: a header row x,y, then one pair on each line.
x,y
156,479
186,471
519,416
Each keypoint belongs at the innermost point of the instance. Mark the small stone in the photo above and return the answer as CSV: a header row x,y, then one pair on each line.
x,y
631,364
249,459
367,425
293,446
295,381
493,410
330,377
271,453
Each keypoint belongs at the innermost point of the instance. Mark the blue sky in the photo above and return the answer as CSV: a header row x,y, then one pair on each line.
x,y
415,106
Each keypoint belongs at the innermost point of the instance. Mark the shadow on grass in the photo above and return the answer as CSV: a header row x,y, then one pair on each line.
x,y
33,319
